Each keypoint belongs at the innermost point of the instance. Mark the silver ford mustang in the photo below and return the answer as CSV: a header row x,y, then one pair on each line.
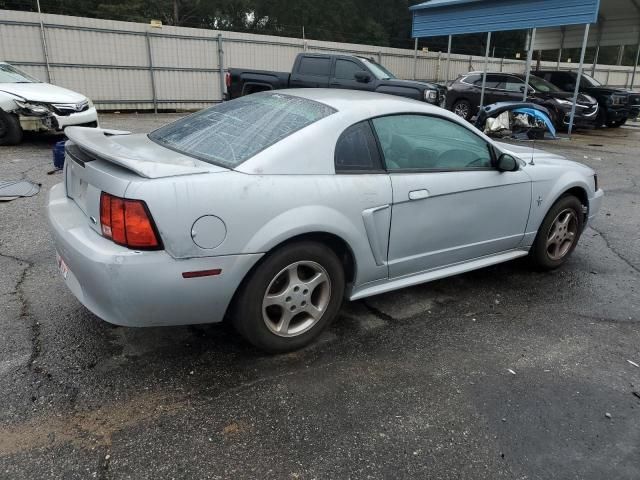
x,y
268,210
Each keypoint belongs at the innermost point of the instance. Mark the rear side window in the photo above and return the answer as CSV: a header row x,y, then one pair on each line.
x,y
492,81
315,66
232,132
357,150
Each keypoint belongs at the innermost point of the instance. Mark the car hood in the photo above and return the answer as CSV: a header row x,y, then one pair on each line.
x,y
582,99
604,91
540,157
395,82
137,153
42,92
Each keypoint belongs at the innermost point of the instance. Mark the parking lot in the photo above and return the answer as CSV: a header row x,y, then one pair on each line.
x,y
499,373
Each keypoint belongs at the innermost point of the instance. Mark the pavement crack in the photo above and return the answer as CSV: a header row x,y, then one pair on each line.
x,y
616,253
378,313
24,315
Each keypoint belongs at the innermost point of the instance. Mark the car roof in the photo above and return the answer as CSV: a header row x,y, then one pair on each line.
x,y
345,100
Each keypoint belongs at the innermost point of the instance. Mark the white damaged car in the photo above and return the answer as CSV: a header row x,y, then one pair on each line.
x,y
27,104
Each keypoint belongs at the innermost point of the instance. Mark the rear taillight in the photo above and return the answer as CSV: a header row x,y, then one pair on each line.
x,y
227,80
128,222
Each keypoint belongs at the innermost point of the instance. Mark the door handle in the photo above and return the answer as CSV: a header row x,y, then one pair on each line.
x,y
418,194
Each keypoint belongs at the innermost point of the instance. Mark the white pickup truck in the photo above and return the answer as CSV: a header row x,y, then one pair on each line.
x,y
27,104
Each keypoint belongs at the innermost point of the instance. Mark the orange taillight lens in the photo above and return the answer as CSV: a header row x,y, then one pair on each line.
x,y
127,222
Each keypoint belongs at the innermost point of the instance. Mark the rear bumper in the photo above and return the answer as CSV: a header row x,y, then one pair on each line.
x,y
139,289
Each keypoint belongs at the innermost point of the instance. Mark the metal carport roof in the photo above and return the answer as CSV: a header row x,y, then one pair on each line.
x,y
454,17
618,23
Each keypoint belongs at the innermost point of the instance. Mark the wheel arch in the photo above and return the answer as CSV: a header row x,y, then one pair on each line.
x,y
336,243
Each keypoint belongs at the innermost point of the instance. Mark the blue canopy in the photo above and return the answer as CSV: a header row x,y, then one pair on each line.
x,y
452,17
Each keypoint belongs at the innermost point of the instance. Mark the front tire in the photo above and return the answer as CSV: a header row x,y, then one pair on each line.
x,y
559,234
462,108
290,298
616,123
10,130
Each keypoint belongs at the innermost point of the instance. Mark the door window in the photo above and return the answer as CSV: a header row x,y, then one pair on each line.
x,y
492,81
512,84
420,142
317,66
346,69
356,150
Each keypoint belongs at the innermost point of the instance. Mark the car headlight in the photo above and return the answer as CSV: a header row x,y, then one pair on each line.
x,y
589,98
90,103
431,96
562,101
34,108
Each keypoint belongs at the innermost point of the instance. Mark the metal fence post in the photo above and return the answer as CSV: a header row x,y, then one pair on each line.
x,y
45,50
379,57
221,66
438,66
502,64
151,74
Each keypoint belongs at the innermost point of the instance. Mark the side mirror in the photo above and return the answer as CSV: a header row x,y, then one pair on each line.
x,y
362,77
506,163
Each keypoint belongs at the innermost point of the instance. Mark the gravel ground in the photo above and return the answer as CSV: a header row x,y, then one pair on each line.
x,y
499,373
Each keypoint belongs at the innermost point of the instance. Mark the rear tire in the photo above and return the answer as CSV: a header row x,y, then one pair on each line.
x,y
462,108
10,130
559,234
290,298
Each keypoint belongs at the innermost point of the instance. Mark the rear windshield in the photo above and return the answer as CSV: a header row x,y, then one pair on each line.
x,y
232,132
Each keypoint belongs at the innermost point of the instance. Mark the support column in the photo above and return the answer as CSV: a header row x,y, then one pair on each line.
x,y
484,70
415,59
620,55
151,75
563,33
577,87
532,40
597,54
635,66
446,76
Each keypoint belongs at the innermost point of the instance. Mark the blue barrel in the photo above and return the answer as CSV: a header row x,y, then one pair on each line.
x,y
58,154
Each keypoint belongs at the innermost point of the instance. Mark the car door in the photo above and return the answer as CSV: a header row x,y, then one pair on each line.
x,y
491,93
311,71
509,88
344,75
450,204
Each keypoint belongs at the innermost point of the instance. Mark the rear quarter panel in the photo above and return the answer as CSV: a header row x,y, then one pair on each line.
x,y
262,211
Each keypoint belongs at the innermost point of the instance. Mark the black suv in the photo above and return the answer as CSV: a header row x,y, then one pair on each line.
x,y
616,104
463,97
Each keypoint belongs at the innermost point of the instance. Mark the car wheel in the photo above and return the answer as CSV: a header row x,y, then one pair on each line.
x,y
10,130
290,298
462,108
558,234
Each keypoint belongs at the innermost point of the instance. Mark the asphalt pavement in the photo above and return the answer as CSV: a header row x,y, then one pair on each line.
x,y
502,373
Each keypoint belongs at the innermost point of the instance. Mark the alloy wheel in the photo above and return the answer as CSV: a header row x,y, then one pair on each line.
x,y
562,234
296,299
462,110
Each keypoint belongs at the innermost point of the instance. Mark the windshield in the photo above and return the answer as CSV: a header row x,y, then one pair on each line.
x,y
10,74
231,132
378,70
541,85
588,81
